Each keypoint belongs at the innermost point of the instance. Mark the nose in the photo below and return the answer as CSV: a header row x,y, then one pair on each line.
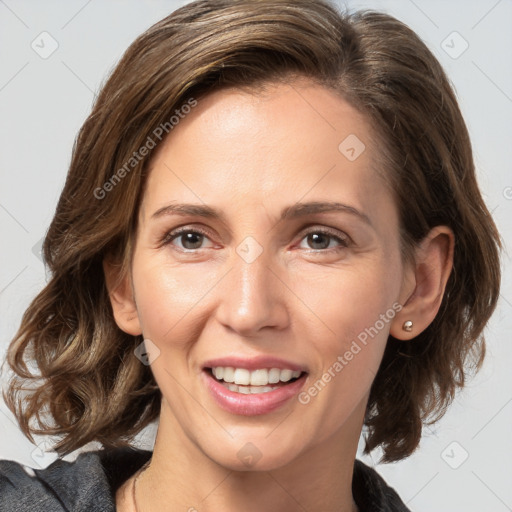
x,y
253,296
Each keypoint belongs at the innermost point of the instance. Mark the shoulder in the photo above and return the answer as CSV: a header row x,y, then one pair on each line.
x,y
86,484
371,492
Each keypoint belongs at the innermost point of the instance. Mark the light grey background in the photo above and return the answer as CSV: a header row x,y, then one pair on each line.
x,y
44,101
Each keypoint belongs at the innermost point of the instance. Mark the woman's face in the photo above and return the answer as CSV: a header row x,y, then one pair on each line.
x,y
254,273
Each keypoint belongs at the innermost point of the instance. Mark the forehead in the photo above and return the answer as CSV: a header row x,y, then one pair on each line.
x,y
267,146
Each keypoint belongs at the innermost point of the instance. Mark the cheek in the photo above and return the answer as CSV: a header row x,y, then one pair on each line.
x,y
348,361
348,303
350,357
169,298
353,314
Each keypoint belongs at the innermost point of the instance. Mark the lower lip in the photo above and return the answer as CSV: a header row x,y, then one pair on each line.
x,y
252,404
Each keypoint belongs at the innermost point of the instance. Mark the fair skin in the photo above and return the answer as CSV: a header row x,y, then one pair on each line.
x,y
303,299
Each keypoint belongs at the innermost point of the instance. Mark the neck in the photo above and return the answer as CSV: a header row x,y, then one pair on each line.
x,y
182,477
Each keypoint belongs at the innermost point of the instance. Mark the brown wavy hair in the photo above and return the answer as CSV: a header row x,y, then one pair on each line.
x,y
88,384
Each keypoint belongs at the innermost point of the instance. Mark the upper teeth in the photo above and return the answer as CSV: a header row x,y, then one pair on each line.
x,y
263,377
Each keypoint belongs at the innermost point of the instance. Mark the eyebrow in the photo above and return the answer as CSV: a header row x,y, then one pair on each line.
x,y
291,212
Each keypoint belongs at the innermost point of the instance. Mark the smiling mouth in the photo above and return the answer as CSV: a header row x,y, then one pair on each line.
x,y
243,381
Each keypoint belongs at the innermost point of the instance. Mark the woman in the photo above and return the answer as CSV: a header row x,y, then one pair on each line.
x,y
271,235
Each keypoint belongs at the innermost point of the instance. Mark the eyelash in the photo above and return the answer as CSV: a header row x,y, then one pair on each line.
x,y
344,242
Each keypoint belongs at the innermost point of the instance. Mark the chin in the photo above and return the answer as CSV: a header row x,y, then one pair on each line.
x,y
256,455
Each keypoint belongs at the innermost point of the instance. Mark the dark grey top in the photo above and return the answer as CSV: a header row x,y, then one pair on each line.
x,y
89,484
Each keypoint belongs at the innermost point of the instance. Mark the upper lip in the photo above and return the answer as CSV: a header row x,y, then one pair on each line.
x,y
254,363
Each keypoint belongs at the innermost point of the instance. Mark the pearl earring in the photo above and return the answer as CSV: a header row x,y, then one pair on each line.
x,y
407,326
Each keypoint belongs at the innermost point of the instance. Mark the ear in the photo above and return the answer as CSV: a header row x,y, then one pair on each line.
x,y
425,283
122,298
